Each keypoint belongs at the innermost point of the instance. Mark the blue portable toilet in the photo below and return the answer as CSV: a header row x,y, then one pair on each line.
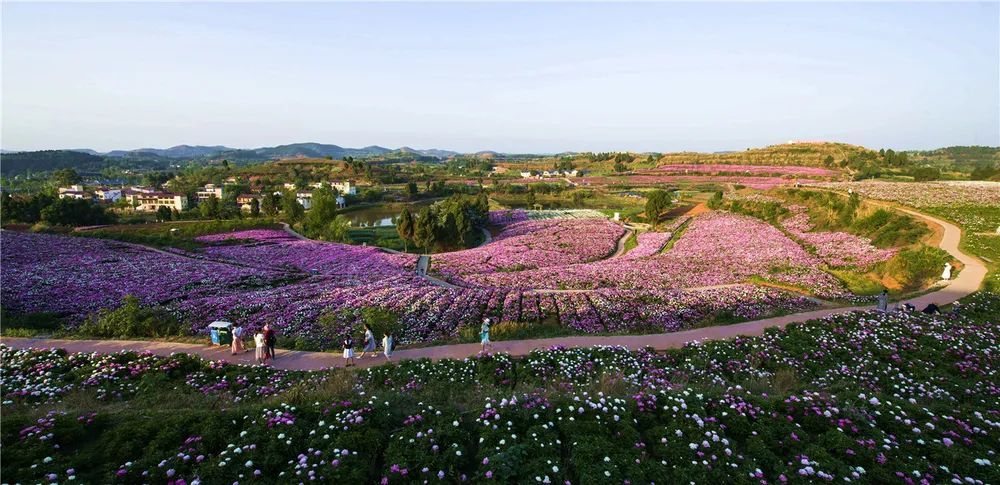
x,y
221,332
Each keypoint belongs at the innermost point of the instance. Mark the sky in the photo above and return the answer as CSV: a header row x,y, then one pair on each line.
x,y
522,77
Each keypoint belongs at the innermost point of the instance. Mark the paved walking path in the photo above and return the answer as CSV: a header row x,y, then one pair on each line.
x,y
967,282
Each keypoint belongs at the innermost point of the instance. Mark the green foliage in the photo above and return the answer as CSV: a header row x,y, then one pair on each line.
x,y
24,209
913,268
337,230
163,213
657,201
381,321
291,208
924,174
75,212
209,208
449,224
270,204
984,172
131,320
887,228
716,201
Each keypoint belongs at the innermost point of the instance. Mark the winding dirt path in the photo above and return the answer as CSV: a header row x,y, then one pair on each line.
x,y
967,282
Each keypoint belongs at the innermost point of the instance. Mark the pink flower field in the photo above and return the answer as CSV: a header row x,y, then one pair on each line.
x,y
716,249
650,179
837,249
535,244
258,277
753,170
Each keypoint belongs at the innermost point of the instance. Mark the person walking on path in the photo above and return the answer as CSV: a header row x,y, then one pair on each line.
x,y
269,340
883,301
369,342
237,346
387,344
484,334
258,341
348,350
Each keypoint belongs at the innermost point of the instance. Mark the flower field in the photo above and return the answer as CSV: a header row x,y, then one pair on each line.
x,y
257,277
716,249
837,249
925,194
535,244
859,398
652,179
77,276
750,170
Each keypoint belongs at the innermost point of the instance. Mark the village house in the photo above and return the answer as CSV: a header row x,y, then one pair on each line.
x,y
208,191
152,201
305,198
73,194
108,195
244,201
346,187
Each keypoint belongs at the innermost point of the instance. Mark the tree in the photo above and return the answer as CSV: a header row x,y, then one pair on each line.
x,y
270,204
404,227
75,212
338,229
828,161
716,201
411,190
423,229
209,208
983,172
924,174
656,202
25,209
254,207
65,176
291,208
163,213
323,210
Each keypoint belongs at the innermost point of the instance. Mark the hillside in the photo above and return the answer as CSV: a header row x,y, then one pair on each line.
x,y
20,162
962,158
799,154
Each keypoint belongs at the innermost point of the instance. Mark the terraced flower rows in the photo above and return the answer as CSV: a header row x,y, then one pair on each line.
x,y
716,249
259,277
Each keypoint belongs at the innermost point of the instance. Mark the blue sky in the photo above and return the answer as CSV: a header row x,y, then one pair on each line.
x,y
519,77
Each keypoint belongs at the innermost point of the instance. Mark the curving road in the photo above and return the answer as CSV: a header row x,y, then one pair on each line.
x,y
968,281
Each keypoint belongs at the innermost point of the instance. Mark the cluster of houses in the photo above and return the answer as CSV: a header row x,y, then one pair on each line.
x,y
549,174
144,199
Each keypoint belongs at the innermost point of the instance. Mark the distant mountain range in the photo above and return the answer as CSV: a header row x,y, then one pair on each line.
x,y
317,150
159,158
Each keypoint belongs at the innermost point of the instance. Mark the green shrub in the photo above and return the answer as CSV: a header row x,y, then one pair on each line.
x,y
912,268
131,320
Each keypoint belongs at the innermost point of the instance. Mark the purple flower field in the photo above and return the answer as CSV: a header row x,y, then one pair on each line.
x,y
716,249
263,277
535,244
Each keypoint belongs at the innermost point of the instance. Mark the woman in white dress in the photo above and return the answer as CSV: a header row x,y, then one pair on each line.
x,y
387,344
258,341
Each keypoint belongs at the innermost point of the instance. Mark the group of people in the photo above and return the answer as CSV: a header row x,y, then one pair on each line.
x,y
883,305
388,344
263,340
